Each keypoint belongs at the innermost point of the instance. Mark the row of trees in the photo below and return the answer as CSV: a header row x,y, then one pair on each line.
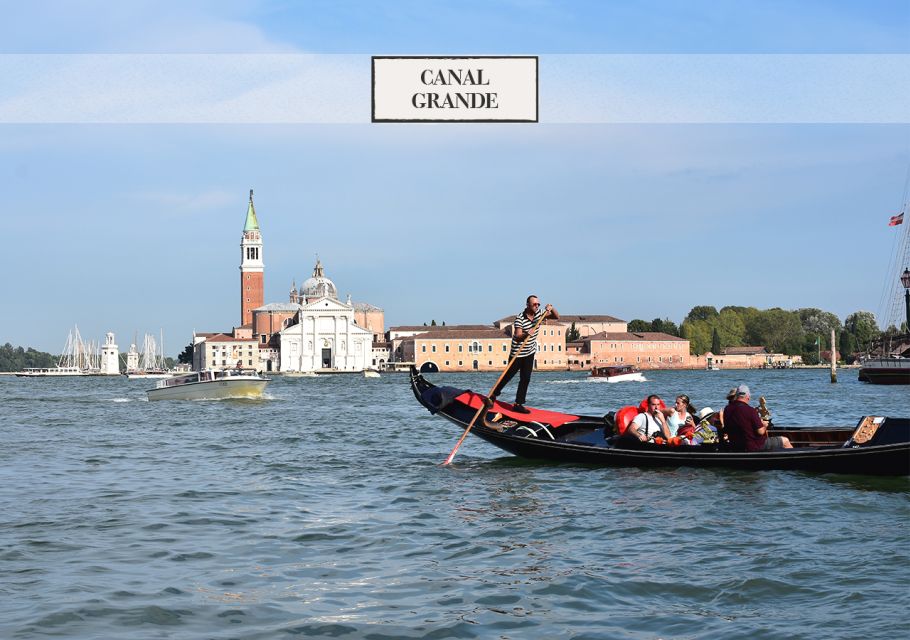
x,y
16,358
802,332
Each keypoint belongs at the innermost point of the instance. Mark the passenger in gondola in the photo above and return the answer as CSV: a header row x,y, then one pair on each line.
x,y
745,428
706,429
651,423
680,418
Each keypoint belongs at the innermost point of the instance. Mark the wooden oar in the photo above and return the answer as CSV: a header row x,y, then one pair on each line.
x,y
483,407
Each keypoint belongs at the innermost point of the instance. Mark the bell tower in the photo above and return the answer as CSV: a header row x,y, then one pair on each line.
x,y
251,266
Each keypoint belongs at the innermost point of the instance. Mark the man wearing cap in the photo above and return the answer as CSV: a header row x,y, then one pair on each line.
x,y
745,428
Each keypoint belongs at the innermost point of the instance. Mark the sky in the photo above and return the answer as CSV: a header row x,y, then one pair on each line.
x,y
687,153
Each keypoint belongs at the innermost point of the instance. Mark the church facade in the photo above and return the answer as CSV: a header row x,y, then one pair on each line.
x,y
323,335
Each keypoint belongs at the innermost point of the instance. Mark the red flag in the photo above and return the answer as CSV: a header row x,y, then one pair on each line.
x,y
896,220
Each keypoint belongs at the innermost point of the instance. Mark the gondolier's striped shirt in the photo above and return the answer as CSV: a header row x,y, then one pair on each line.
x,y
530,345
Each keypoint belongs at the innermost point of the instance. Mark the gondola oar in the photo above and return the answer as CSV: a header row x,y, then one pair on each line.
x,y
483,406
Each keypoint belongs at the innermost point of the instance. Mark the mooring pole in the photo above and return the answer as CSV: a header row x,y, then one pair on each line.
x,y
833,359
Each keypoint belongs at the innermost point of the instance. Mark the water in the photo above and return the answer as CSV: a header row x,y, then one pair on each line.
x,y
322,511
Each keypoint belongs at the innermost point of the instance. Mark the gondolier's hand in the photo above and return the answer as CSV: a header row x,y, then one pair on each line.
x,y
548,309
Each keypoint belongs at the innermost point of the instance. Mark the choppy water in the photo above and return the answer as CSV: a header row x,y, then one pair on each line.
x,y
323,512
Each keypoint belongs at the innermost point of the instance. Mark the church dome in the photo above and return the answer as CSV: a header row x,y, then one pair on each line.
x,y
318,286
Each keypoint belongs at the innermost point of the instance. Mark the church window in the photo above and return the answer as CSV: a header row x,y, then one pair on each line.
x,y
503,348
423,348
434,348
460,363
460,349
491,349
447,350
447,363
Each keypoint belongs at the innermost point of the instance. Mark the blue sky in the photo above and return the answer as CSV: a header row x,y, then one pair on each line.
x,y
131,227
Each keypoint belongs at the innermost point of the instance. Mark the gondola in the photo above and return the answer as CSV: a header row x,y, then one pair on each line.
x,y
876,446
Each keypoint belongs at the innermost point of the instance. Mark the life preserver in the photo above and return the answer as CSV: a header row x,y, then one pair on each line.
x,y
623,418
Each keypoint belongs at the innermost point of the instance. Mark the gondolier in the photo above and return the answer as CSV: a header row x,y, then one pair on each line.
x,y
524,347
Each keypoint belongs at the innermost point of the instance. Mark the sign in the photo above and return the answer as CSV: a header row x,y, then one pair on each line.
x,y
455,89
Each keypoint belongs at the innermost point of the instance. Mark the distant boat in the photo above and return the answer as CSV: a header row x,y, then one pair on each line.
x,y
77,359
370,373
712,367
210,384
300,374
885,371
625,373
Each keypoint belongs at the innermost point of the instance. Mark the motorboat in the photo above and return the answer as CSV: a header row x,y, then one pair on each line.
x,y
210,384
50,372
878,445
626,373
370,373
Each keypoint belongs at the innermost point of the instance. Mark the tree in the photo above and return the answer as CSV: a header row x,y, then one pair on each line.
x,y
698,333
730,327
863,327
715,342
638,326
702,312
572,334
664,326
432,323
186,356
777,330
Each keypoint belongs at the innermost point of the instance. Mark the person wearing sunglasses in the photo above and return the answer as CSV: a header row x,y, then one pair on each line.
x,y
524,347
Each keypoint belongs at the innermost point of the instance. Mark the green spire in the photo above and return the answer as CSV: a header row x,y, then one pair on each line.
x,y
252,224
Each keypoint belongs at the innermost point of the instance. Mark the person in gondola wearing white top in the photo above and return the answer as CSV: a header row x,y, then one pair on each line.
x,y
651,423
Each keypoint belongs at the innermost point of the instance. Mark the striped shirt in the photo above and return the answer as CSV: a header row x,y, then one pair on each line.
x,y
521,322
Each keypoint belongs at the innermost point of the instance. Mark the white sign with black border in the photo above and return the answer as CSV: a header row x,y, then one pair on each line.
x,y
455,89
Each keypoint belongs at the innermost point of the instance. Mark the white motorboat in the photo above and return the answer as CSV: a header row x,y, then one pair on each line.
x,y
370,373
300,374
50,372
626,373
210,384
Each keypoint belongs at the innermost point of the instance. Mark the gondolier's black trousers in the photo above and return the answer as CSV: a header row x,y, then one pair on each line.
x,y
525,366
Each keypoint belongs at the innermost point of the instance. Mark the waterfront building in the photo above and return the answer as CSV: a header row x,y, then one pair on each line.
x,y
323,334
110,356
223,351
645,350
753,358
586,325
477,347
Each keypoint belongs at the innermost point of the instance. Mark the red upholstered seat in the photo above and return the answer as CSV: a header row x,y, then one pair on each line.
x,y
552,418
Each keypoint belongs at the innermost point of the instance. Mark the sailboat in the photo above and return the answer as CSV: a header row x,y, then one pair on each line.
x,y
152,361
891,362
77,359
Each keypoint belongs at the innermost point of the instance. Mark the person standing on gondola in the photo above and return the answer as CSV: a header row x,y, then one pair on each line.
x,y
524,348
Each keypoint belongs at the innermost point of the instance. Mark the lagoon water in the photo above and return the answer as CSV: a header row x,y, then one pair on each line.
x,y
322,511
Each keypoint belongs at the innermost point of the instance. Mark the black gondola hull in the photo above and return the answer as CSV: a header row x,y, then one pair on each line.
x,y
585,440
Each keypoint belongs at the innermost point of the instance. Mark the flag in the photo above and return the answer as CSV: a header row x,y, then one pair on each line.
x,y
896,220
